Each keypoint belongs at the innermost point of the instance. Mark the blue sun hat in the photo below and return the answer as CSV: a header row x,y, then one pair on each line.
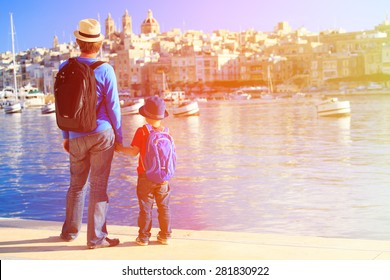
x,y
154,108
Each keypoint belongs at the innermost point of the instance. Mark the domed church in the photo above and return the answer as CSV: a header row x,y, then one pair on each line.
x,y
150,24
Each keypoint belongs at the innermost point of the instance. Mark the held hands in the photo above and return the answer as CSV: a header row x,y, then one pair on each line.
x,y
119,147
131,150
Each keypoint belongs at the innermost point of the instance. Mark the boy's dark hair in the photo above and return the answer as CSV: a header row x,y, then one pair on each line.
x,y
89,47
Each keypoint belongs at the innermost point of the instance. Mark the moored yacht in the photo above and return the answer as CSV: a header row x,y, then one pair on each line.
x,y
239,95
12,106
48,108
32,96
187,108
332,107
131,106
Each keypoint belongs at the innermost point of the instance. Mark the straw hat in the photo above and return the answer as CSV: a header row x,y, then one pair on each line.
x,y
89,31
154,108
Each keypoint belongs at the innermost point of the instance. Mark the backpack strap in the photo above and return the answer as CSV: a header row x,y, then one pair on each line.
x,y
148,127
96,64
93,66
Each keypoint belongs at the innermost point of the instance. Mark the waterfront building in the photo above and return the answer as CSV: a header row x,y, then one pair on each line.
x,y
191,57
156,76
335,66
183,68
386,59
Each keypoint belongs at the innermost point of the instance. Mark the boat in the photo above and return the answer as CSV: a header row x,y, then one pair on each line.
x,y
13,106
188,108
131,106
239,95
269,93
32,96
173,96
124,95
201,99
48,108
7,94
266,96
298,95
332,107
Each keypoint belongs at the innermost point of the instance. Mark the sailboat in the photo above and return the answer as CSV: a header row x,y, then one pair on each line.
x,y
273,59
171,96
269,94
13,106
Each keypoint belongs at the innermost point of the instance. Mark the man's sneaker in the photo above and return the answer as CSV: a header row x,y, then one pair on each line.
x,y
66,238
162,240
141,243
107,242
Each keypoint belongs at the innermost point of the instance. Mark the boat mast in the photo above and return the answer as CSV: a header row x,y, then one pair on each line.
x,y
270,87
165,83
13,56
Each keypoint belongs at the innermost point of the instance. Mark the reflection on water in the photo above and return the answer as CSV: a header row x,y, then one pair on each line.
x,y
250,166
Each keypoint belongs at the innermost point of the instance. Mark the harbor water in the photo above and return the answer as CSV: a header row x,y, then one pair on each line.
x,y
264,166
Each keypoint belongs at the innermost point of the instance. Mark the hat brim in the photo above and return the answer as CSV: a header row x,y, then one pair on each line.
x,y
87,39
145,114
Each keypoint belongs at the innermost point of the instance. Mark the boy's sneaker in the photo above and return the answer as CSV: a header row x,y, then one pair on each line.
x,y
162,240
141,243
107,242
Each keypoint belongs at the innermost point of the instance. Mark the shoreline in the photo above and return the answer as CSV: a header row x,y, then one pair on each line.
x,y
39,240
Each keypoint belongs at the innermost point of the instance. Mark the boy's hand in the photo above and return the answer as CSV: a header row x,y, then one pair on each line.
x,y
118,147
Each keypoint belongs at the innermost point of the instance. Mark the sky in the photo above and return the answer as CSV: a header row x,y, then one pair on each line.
x,y
37,22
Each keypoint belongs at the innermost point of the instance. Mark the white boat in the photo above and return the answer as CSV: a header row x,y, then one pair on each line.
x,y
173,96
131,106
124,95
32,96
48,108
332,107
239,95
7,94
189,108
12,106
201,99
298,95
266,96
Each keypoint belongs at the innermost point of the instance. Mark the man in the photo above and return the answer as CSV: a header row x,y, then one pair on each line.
x,y
91,153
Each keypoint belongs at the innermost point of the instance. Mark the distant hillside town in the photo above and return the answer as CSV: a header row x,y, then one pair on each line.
x,y
190,60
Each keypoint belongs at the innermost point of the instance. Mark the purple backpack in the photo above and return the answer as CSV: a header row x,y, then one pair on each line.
x,y
160,156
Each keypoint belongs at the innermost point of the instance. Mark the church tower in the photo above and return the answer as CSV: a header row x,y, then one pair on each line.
x,y
110,27
55,41
127,27
150,24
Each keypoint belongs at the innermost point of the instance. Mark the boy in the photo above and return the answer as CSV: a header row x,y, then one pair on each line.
x,y
154,112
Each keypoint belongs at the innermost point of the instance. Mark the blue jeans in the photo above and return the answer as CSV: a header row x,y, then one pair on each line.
x,y
91,156
147,193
